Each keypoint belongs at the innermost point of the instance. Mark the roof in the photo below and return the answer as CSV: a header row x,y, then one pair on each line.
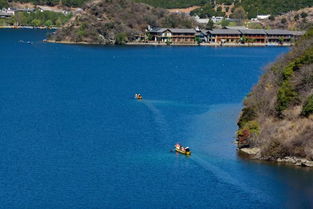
x,y
298,33
5,14
182,30
278,32
253,32
224,31
173,30
236,27
158,30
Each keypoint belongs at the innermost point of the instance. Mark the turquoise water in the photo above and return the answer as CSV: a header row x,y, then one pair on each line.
x,y
72,136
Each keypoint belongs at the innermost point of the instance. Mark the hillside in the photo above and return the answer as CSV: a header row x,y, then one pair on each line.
x,y
252,7
294,20
277,119
116,22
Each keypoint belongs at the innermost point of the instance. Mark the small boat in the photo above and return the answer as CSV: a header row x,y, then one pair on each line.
x,y
182,150
138,96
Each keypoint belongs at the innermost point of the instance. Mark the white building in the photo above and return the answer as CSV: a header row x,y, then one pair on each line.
x,y
263,17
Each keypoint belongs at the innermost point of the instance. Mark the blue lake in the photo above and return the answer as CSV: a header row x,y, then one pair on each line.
x,y
72,136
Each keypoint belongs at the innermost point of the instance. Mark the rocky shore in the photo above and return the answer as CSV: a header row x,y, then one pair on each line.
x,y
255,153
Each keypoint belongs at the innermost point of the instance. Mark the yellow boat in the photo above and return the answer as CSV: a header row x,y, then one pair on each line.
x,y
182,150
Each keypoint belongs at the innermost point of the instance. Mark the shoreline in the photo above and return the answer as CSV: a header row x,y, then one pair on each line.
x,y
148,43
254,153
28,27
175,44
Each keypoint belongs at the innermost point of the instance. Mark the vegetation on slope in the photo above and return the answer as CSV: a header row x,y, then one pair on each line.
x,y
36,19
69,3
3,4
116,22
252,7
278,113
295,20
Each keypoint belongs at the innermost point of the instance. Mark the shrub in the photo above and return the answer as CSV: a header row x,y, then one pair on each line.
x,y
121,38
275,150
247,114
308,107
285,96
303,14
283,21
253,127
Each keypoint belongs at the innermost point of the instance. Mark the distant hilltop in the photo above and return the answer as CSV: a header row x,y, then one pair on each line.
x,y
276,122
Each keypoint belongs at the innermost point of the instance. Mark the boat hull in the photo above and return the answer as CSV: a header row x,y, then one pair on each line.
x,y
183,152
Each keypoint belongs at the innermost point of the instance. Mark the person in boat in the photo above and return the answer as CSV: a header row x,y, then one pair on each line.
x,y
138,96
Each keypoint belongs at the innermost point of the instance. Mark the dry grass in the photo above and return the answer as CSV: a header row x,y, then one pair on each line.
x,y
290,134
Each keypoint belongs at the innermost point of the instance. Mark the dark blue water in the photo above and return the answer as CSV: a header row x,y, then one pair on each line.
x,y
71,136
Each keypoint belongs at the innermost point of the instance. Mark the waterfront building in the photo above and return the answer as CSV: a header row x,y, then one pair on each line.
x,y
253,36
223,36
279,36
173,35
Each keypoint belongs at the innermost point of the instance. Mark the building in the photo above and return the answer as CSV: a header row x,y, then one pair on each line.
x,y
7,13
263,17
253,36
223,36
297,34
279,36
202,20
217,19
173,35
232,36
201,35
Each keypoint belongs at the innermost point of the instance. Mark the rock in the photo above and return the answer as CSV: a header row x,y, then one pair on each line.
x,y
296,161
250,151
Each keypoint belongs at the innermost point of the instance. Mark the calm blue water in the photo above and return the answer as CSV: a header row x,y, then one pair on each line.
x,y
71,136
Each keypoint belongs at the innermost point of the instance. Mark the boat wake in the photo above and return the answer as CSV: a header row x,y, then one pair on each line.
x,y
176,104
225,177
158,118
203,132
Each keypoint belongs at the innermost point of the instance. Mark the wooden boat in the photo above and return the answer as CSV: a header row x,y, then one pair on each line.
x,y
138,96
182,150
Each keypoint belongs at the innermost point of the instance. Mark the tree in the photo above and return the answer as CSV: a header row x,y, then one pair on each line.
x,y
48,23
58,22
209,25
239,14
224,23
304,14
283,21
36,22
3,4
121,38
271,18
